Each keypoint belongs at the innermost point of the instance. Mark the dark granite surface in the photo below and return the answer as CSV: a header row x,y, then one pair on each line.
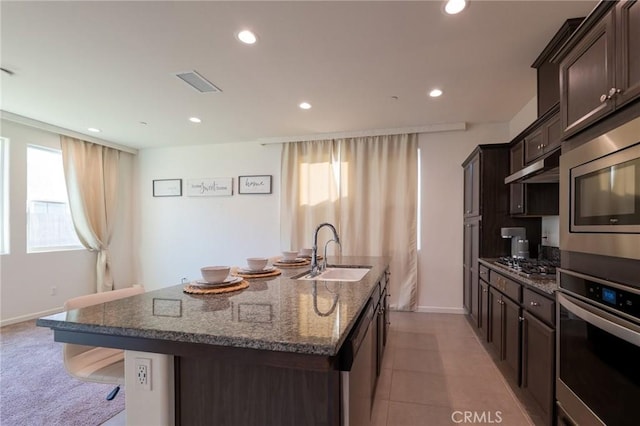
x,y
279,314
545,285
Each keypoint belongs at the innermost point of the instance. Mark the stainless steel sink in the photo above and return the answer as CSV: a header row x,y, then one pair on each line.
x,y
338,273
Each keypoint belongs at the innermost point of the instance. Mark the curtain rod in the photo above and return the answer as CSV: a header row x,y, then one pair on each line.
x,y
431,128
9,116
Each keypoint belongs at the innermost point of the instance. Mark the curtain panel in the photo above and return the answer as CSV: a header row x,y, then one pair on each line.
x,y
367,187
91,175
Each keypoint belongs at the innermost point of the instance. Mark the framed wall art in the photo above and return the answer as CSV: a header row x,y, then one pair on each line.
x,y
210,187
167,188
259,184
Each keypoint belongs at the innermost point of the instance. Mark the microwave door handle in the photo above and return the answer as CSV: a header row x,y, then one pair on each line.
x,y
612,327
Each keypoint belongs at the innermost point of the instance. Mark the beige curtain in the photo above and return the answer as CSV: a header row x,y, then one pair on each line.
x,y
367,187
91,174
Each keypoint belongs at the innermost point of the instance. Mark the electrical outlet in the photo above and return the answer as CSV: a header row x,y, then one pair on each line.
x,y
143,374
54,290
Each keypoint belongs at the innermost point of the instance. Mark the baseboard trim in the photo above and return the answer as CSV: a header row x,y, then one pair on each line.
x,y
28,317
440,310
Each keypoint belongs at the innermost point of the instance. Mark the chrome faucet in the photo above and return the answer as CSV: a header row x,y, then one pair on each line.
x,y
315,268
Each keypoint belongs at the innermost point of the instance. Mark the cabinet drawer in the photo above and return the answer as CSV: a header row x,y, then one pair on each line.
x,y
484,273
506,285
540,306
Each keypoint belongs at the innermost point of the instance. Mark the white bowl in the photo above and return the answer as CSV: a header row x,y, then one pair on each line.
x,y
215,274
257,263
289,255
306,252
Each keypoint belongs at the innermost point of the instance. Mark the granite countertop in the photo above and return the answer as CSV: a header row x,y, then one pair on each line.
x,y
546,285
278,314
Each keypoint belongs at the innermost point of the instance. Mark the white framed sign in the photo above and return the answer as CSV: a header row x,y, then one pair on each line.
x,y
167,187
210,187
254,184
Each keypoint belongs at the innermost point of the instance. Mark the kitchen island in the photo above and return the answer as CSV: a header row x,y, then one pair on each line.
x,y
269,354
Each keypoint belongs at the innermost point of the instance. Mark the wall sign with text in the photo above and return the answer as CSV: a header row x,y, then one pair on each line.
x,y
209,187
254,184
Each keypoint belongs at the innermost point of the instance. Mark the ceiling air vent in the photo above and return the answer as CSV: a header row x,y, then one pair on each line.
x,y
198,82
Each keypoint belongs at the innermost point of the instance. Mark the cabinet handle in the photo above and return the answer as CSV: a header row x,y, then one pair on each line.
x,y
483,273
484,290
534,304
612,92
519,206
521,319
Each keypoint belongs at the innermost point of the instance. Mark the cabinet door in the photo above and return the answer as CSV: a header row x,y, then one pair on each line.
x,y
586,74
466,267
470,267
534,145
472,187
516,190
511,349
483,310
552,134
538,372
628,45
495,323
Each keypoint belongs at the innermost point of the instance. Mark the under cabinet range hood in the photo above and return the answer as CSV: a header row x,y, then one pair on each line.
x,y
545,170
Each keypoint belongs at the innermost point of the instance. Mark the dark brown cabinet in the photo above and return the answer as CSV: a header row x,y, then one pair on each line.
x,y
516,190
600,68
504,332
470,265
543,140
538,356
517,326
472,187
483,310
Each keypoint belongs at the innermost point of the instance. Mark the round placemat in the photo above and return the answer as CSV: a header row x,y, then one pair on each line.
x,y
273,273
292,265
194,289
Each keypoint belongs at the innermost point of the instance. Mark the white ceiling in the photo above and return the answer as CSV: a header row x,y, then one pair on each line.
x,y
111,65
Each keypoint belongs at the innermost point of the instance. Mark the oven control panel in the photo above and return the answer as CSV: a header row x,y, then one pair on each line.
x,y
611,296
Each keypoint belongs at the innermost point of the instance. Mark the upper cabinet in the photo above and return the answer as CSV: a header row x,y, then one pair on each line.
x,y
472,186
600,66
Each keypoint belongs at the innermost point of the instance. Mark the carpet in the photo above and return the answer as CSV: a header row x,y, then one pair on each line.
x,y
35,389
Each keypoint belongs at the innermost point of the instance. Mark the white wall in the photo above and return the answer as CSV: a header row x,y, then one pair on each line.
x,y
178,235
26,279
440,259
523,118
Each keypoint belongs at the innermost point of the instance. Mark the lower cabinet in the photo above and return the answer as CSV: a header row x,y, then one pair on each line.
x,y
516,325
538,354
504,331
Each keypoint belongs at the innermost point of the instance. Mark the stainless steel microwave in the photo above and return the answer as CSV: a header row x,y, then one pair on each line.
x,y
600,194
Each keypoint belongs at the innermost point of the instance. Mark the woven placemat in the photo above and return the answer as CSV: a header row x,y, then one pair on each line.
x,y
194,289
273,273
292,265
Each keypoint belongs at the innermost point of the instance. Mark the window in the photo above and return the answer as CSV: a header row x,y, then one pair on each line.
x,y
49,224
4,196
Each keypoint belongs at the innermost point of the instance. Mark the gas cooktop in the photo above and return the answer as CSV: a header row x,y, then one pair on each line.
x,y
530,267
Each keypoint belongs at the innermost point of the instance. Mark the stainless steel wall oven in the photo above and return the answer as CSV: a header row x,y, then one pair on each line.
x,y
600,186
598,351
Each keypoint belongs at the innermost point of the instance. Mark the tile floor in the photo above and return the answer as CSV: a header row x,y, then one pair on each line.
x,y
435,370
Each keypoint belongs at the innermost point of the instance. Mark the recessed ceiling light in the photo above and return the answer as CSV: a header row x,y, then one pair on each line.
x,y
247,37
94,130
305,105
195,120
455,6
435,93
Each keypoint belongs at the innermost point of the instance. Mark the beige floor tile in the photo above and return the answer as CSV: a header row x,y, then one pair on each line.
x,y
421,388
422,340
383,388
436,367
408,414
418,360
